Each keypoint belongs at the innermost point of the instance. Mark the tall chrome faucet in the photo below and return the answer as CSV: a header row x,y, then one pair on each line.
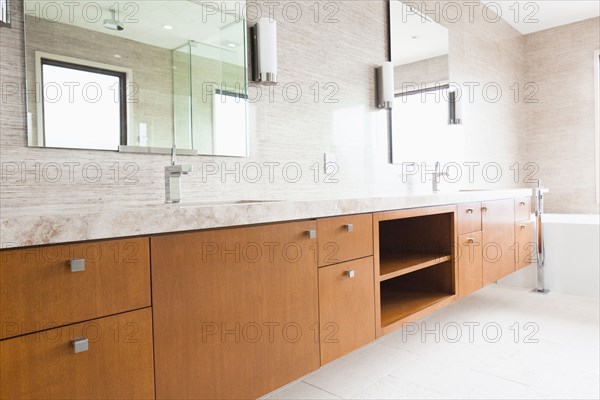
x,y
435,176
173,174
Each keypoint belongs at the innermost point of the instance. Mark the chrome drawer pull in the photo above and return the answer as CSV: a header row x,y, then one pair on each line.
x,y
349,227
483,208
470,240
80,345
522,203
311,234
77,265
522,227
469,211
350,273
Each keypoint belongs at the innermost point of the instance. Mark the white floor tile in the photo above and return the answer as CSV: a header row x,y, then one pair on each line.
x,y
300,390
556,356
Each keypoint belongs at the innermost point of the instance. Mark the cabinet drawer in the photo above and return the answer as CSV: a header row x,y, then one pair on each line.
x,y
469,217
470,263
344,238
346,307
39,290
116,365
525,247
522,208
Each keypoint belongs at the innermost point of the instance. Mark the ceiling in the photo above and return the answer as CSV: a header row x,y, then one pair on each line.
x,y
544,14
415,37
145,21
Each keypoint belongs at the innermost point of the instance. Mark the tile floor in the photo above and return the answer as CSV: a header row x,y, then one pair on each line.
x,y
499,342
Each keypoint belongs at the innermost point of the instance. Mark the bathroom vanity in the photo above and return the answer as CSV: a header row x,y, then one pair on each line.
x,y
234,300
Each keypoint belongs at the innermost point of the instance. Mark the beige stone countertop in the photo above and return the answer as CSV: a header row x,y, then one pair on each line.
x,y
30,226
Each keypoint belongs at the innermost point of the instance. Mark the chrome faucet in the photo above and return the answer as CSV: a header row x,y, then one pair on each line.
x,y
435,177
173,174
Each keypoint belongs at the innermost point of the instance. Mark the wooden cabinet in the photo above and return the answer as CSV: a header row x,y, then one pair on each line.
x,y
522,209
346,307
415,270
470,263
39,290
525,247
116,365
470,248
469,217
344,238
497,221
235,310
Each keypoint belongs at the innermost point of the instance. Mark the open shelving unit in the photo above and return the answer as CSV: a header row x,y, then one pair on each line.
x,y
414,263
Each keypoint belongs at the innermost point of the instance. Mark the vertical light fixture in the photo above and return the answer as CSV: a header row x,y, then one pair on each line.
x,y
454,110
385,85
5,13
264,51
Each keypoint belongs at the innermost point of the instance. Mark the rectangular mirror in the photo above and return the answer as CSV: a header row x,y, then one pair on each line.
x,y
137,76
420,129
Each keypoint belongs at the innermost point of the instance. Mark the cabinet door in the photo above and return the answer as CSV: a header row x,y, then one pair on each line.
x,y
346,307
235,310
117,363
344,238
523,209
39,291
469,217
525,247
498,223
470,263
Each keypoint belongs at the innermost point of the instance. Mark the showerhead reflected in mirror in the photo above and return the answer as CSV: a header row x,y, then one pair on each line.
x,y
420,128
136,76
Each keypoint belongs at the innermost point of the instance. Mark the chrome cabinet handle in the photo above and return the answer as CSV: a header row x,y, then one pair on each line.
x,y
522,203
523,227
469,211
77,265
80,345
483,208
350,273
349,227
470,240
311,234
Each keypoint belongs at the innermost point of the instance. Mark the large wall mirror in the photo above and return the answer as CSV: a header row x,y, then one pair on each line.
x,y
137,76
423,129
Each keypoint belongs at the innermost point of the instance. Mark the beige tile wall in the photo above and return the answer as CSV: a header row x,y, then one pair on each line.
x,y
560,138
421,73
337,57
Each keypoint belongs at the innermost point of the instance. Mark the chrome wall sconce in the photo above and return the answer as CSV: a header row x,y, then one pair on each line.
x,y
385,85
454,108
264,51
5,13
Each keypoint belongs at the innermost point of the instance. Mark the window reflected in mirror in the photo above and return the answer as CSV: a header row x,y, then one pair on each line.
x,y
420,130
131,76
63,114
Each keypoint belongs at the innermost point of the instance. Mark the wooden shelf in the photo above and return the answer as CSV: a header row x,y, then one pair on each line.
x,y
397,305
395,265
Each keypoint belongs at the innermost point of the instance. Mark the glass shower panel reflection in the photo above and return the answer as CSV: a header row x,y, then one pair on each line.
x,y
210,92
182,99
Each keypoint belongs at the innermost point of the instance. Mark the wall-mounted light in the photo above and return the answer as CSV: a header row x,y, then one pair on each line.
x,y
5,13
385,85
454,109
264,51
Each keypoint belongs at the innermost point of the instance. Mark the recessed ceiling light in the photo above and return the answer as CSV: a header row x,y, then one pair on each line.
x,y
117,56
167,27
229,43
414,37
